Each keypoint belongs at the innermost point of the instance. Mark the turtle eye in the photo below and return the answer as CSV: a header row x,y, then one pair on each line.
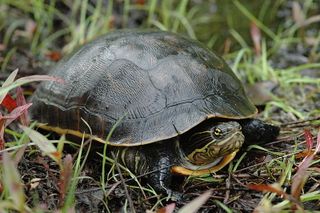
x,y
217,131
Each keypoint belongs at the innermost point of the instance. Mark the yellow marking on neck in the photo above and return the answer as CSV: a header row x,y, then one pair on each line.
x,y
198,151
188,172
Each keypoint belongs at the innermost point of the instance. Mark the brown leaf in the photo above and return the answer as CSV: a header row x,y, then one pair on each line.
x,y
297,13
196,204
65,177
7,119
16,113
2,47
34,183
54,55
261,92
30,28
140,2
311,20
167,209
2,143
318,143
256,38
308,137
20,100
274,188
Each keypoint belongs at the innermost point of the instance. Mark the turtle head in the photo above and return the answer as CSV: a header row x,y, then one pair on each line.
x,y
208,149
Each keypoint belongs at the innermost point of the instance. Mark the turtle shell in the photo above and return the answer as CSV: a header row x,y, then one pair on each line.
x,y
153,85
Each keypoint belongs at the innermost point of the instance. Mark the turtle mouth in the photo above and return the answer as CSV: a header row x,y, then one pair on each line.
x,y
222,162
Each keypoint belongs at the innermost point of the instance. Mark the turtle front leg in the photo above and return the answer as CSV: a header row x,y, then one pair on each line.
x,y
160,177
160,159
152,162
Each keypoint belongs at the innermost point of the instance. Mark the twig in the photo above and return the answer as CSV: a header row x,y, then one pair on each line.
x,y
116,183
227,194
259,164
124,184
300,121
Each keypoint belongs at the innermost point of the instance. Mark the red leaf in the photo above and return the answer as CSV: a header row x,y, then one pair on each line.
x,y
2,145
2,47
54,55
309,142
316,151
301,176
140,2
267,188
7,119
256,38
167,209
17,112
9,103
1,187
65,177
24,118
2,142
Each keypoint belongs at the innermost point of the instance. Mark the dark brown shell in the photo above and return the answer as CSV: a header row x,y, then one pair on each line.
x,y
159,85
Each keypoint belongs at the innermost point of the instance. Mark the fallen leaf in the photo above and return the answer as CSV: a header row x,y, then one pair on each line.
x,y
16,113
140,2
2,47
54,55
261,92
65,178
196,204
256,38
308,137
34,183
274,188
9,103
167,209
30,28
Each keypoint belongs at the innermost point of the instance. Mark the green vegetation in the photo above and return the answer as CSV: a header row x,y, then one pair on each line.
x,y
263,41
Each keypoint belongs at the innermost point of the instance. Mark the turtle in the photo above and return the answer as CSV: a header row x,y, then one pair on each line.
x,y
167,104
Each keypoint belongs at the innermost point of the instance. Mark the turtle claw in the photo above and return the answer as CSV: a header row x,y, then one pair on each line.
x,y
174,195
